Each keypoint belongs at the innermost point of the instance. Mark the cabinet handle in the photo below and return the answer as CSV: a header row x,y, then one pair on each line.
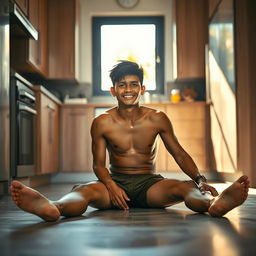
x,y
51,127
39,56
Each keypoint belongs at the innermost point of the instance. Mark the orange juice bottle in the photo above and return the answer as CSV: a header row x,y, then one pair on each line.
x,y
175,96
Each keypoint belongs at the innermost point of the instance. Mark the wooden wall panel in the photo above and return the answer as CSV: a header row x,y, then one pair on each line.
x,y
246,89
191,26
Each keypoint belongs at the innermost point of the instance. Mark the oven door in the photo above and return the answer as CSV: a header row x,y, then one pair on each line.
x,y
26,124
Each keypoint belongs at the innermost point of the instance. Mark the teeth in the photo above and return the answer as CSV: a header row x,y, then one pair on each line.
x,y
128,96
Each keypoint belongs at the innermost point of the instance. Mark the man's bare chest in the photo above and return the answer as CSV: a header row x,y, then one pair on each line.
x,y
131,138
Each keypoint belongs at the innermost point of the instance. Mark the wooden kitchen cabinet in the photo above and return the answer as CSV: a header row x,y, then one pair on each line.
x,y
76,155
38,49
212,7
191,28
190,127
63,35
47,133
23,5
28,55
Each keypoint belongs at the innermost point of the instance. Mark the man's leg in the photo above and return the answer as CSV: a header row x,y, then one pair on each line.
x,y
73,204
168,192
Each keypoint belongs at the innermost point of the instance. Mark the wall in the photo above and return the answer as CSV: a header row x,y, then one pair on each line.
x,y
233,117
90,8
246,86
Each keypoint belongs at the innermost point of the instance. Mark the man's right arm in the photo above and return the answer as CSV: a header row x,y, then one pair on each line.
x,y
182,158
117,195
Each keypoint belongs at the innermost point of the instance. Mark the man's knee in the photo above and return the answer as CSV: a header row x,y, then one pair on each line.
x,y
95,193
183,188
89,191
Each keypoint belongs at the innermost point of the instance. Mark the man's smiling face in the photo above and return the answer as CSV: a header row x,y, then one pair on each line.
x,y
128,90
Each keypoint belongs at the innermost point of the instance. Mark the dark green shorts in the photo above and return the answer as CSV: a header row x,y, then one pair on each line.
x,y
136,186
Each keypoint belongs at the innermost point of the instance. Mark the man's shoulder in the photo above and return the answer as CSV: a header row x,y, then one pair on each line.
x,y
154,113
104,117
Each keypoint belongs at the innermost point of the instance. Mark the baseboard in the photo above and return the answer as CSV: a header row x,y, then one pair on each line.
x,y
73,177
40,180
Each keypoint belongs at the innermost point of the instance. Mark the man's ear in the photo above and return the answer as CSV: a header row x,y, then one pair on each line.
x,y
143,89
112,91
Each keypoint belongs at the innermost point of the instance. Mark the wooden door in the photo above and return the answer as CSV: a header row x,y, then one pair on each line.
x,y
62,22
37,50
49,142
191,32
76,153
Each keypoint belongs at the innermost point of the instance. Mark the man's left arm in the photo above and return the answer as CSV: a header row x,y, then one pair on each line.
x,y
182,158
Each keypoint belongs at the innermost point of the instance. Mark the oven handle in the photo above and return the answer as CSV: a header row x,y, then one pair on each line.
x,y
28,109
28,95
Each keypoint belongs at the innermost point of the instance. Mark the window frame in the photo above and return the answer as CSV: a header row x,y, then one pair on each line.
x,y
97,22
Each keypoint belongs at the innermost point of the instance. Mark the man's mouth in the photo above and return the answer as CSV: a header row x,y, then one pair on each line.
x,y
128,96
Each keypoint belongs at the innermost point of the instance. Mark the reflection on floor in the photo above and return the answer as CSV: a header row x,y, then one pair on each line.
x,y
171,231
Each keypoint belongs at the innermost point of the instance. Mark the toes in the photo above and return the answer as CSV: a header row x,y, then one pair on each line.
x,y
17,185
243,179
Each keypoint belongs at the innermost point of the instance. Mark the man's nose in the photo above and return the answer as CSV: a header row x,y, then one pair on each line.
x,y
128,88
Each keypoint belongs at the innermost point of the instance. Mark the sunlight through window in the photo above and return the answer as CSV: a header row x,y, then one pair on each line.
x,y
134,42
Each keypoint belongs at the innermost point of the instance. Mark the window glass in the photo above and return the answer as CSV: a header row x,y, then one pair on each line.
x,y
138,39
123,42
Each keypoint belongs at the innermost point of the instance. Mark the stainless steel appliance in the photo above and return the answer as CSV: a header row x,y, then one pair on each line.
x,y
4,95
21,26
23,127
17,151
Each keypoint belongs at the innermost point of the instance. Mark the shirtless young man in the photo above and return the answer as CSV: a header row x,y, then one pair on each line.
x,y
129,132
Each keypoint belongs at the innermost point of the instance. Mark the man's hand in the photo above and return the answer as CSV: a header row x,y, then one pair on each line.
x,y
117,195
204,187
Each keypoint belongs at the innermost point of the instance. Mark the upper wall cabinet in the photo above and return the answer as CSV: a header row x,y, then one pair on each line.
x,y
23,5
62,26
191,24
212,6
28,55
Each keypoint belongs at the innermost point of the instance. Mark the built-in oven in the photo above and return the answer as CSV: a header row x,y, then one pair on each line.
x,y
23,127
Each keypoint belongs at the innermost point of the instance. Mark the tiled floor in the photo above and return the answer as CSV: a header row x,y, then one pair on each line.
x,y
172,231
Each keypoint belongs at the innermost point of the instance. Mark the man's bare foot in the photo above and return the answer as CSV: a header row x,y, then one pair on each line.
x,y
230,198
32,201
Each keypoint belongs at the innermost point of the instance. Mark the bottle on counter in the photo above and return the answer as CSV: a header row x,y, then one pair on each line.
x,y
175,95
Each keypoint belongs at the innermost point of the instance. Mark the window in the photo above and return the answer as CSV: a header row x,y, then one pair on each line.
x,y
138,39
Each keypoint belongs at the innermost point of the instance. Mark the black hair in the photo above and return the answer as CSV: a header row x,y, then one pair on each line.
x,y
123,68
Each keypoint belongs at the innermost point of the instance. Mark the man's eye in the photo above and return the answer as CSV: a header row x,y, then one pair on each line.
x,y
121,85
134,84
